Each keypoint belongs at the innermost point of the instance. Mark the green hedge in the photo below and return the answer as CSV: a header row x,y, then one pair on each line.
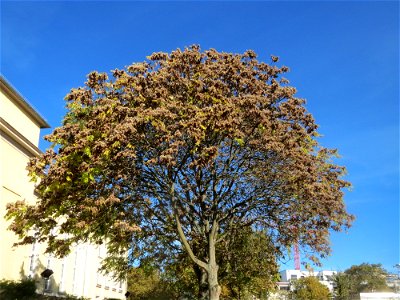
x,y
25,290
17,290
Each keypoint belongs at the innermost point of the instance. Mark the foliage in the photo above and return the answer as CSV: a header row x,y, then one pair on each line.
x,y
360,278
343,286
248,266
147,284
141,283
23,289
178,153
180,278
309,288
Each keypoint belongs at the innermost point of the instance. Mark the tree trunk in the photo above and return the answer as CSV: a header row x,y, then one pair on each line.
x,y
213,286
212,270
214,290
202,282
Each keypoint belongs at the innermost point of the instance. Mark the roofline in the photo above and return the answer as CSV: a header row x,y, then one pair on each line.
x,y
16,136
22,102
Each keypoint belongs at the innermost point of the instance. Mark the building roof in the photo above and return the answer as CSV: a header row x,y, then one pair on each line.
x,y
22,102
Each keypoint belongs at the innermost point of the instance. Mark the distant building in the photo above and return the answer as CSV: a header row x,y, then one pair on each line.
x,y
379,296
287,276
76,274
393,281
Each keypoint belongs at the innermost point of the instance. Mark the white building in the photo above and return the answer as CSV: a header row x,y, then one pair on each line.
x,y
325,277
380,296
77,274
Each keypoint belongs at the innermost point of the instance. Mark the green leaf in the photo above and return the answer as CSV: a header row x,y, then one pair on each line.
x,y
88,152
85,177
239,141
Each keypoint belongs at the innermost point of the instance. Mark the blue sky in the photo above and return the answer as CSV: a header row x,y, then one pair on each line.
x,y
343,56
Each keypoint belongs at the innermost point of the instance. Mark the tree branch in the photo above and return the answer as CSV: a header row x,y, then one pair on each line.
x,y
187,246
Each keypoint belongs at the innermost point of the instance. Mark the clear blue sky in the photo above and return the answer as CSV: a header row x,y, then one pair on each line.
x,y
343,56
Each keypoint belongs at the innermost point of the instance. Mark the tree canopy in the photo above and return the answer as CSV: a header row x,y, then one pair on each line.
x,y
309,288
360,278
179,152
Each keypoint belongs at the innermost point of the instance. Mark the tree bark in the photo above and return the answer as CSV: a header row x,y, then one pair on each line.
x,y
202,282
212,270
213,286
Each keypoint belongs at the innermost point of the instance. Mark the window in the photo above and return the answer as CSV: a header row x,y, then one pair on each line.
x,y
33,260
293,277
32,264
99,279
75,272
47,283
121,285
49,262
61,287
99,275
107,283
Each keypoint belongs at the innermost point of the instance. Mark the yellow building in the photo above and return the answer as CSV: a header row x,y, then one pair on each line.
x,y
76,274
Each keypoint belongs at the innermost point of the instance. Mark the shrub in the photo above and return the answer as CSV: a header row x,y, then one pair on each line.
x,y
17,290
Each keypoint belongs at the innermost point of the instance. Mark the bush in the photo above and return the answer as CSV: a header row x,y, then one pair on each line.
x,y
17,290
309,288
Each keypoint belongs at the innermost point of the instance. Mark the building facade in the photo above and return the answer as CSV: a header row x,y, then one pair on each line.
x,y
324,277
76,274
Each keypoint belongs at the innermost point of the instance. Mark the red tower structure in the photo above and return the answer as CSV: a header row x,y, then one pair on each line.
x,y
296,256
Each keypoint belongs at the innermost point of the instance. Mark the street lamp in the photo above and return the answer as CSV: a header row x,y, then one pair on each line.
x,y
46,276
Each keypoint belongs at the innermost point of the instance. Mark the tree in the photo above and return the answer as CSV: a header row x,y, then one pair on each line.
x,y
360,278
178,152
343,286
182,280
144,284
309,288
248,266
